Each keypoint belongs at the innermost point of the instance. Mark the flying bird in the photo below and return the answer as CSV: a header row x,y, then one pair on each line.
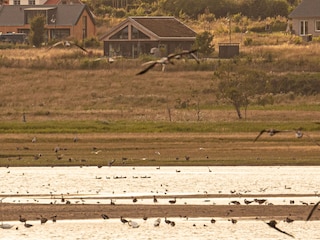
x,y
67,44
167,60
300,134
107,59
312,210
271,132
273,224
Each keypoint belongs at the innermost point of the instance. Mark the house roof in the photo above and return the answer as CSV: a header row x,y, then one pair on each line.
x,y
56,2
165,26
156,27
68,15
306,9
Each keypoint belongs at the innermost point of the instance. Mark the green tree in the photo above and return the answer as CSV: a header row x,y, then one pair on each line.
x,y
37,30
204,43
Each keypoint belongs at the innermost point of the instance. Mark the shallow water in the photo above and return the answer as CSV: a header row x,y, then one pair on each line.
x,y
92,185
184,229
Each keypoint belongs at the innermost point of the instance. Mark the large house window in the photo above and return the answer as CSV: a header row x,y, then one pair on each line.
x,y
303,27
122,34
32,2
136,34
84,27
16,2
317,25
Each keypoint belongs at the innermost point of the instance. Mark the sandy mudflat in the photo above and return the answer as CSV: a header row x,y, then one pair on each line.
x,y
11,212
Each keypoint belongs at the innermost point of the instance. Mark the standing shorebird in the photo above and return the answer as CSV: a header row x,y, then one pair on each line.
x,y
167,60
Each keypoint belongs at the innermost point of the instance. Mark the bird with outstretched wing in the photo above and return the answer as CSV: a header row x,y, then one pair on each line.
x,y
271,132
67,44
167,60
312,210
273,224
300,134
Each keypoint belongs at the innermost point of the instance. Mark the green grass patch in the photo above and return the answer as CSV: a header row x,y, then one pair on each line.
x,y
149,127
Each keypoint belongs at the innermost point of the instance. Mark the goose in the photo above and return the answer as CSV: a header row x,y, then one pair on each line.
x,y
234,221
273,224
54,218
312,210
67,44
155,199
300,134
260,201
173,201
104,216
167,60
157,222
271,132
21,219
133,224
288,220
167,221
247,201
108,59
123,220
43,220
27,225
5,226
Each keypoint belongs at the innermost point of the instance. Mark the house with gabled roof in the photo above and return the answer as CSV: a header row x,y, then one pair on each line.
x,y
306,18
145,35
61,21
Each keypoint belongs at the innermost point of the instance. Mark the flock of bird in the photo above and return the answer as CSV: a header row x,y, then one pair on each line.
x,y
157,221
149,65
298,133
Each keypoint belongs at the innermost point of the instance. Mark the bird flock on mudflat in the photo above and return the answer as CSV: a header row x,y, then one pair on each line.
x,y
157,221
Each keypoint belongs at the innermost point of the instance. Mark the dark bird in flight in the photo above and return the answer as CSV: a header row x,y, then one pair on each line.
x,y
67,44
312,210
271,132
167,60
273,224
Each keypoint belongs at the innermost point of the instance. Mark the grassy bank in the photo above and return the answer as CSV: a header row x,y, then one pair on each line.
x,y
116,115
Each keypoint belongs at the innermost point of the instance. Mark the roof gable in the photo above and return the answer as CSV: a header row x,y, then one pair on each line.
x,y
150,28
306,9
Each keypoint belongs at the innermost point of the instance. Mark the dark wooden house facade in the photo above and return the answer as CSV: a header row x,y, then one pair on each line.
x,y
145,35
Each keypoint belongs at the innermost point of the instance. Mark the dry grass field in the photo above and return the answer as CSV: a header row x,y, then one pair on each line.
x,y
65,93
